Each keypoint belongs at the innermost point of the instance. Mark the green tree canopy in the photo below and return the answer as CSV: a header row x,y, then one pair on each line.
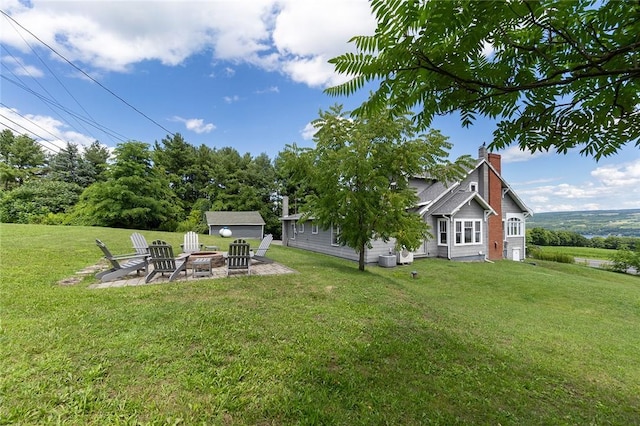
x,y
136,195
360,172
21,158
558,75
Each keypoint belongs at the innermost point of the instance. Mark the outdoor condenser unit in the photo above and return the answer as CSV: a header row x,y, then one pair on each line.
x,y
404,257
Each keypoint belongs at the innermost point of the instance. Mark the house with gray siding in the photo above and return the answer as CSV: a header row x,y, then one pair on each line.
x,y
246,224
477,218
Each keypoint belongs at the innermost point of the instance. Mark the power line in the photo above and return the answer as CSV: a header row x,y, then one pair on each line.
x,y
41,86
55,148
88,76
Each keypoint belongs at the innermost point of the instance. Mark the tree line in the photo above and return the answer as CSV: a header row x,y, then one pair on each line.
x,y
545,237
165,186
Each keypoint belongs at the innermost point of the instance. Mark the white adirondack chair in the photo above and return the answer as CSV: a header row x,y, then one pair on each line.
x,y
140,244
191,243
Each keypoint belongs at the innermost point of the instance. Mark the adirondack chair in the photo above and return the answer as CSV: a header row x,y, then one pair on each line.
x,y
161,256
239,257
121,265
191,243
140,244
262,249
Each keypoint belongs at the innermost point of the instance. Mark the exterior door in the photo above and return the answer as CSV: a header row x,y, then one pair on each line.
x,y
515,254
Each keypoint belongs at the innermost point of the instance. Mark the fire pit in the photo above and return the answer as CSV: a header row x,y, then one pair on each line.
x,y
216,257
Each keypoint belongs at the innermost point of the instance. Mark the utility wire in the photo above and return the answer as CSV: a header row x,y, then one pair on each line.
x,y
42,87
39,142
98,126
88,76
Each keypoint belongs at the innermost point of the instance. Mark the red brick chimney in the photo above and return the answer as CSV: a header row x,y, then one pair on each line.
x,y
495,232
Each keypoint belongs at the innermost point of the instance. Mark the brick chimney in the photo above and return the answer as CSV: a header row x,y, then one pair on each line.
x,y
495,232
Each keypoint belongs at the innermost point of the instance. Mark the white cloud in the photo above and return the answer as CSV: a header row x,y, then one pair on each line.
x,y
308,132
196,124
231,99
514,154
289,36
18,67
49,132
272,89
619,175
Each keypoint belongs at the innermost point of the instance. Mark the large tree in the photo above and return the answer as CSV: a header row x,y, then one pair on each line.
x,y
558,74
136,195
360,172
21,158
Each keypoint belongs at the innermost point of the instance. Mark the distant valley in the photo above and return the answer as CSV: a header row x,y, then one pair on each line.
x,y
590,222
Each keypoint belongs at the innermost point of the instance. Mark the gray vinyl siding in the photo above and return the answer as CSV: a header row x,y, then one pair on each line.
x,y
321,243
469,251
239,231
510,206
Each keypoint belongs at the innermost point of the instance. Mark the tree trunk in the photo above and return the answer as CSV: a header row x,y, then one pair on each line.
x,y
361,258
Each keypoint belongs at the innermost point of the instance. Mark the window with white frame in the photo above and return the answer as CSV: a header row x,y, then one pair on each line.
x,y
473,186
443,231
314,228
514,227
468,232
301,227
335,231
294,231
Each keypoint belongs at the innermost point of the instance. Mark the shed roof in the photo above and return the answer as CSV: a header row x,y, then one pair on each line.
x,y
234,218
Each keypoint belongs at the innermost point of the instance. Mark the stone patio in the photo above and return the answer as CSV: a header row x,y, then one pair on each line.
x,y
257,268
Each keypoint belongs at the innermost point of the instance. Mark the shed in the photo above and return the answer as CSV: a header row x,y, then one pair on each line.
x,y
247,224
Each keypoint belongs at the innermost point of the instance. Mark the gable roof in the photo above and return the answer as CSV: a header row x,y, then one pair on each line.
x,y
234,218
457,200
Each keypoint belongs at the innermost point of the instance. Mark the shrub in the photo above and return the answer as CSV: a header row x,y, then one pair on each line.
x,y
537,253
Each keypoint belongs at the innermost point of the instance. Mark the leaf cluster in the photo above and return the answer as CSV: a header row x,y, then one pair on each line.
x,y
557,75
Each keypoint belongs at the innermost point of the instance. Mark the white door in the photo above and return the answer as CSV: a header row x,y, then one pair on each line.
x,y
515,254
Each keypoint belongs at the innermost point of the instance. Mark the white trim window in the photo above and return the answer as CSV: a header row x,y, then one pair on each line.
x,y
443,232
301,227
294,231
314,228
473,186
514,227
468,231
335,231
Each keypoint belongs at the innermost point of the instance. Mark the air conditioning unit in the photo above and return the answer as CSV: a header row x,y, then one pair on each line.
x,y
404,257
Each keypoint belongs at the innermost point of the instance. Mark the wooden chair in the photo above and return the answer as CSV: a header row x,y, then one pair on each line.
x,y
239,257
262,249
191,243
140,244
122,264
161,256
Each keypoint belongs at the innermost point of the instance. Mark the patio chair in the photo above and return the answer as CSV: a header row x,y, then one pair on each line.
x,y
140,244
121,265
239,257
191,243
161,256
262,249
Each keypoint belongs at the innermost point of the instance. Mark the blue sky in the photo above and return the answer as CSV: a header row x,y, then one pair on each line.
x,y
248,74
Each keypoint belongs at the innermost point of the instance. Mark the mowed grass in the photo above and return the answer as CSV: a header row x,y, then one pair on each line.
x,y
581,252
462,343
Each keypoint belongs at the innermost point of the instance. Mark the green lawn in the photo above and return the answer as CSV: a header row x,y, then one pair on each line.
x,y
583,252
462,343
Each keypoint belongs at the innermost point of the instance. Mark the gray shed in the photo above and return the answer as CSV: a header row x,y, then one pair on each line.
x,y
242,224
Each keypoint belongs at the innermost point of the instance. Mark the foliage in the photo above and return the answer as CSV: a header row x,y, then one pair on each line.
x,y
599,223
559,75
463,343
360,171
34,201
135,195
624,259
545,237
70,165
537,253
21,158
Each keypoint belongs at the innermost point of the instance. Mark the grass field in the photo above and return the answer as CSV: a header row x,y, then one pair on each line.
x,y
581,252
462,343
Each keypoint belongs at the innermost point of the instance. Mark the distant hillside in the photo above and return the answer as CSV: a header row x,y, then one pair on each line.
x,y
591,222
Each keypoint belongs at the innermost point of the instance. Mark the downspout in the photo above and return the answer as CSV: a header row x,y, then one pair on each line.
x,y
451,237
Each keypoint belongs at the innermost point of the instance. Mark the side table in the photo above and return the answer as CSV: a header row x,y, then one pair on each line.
x,y
201,267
